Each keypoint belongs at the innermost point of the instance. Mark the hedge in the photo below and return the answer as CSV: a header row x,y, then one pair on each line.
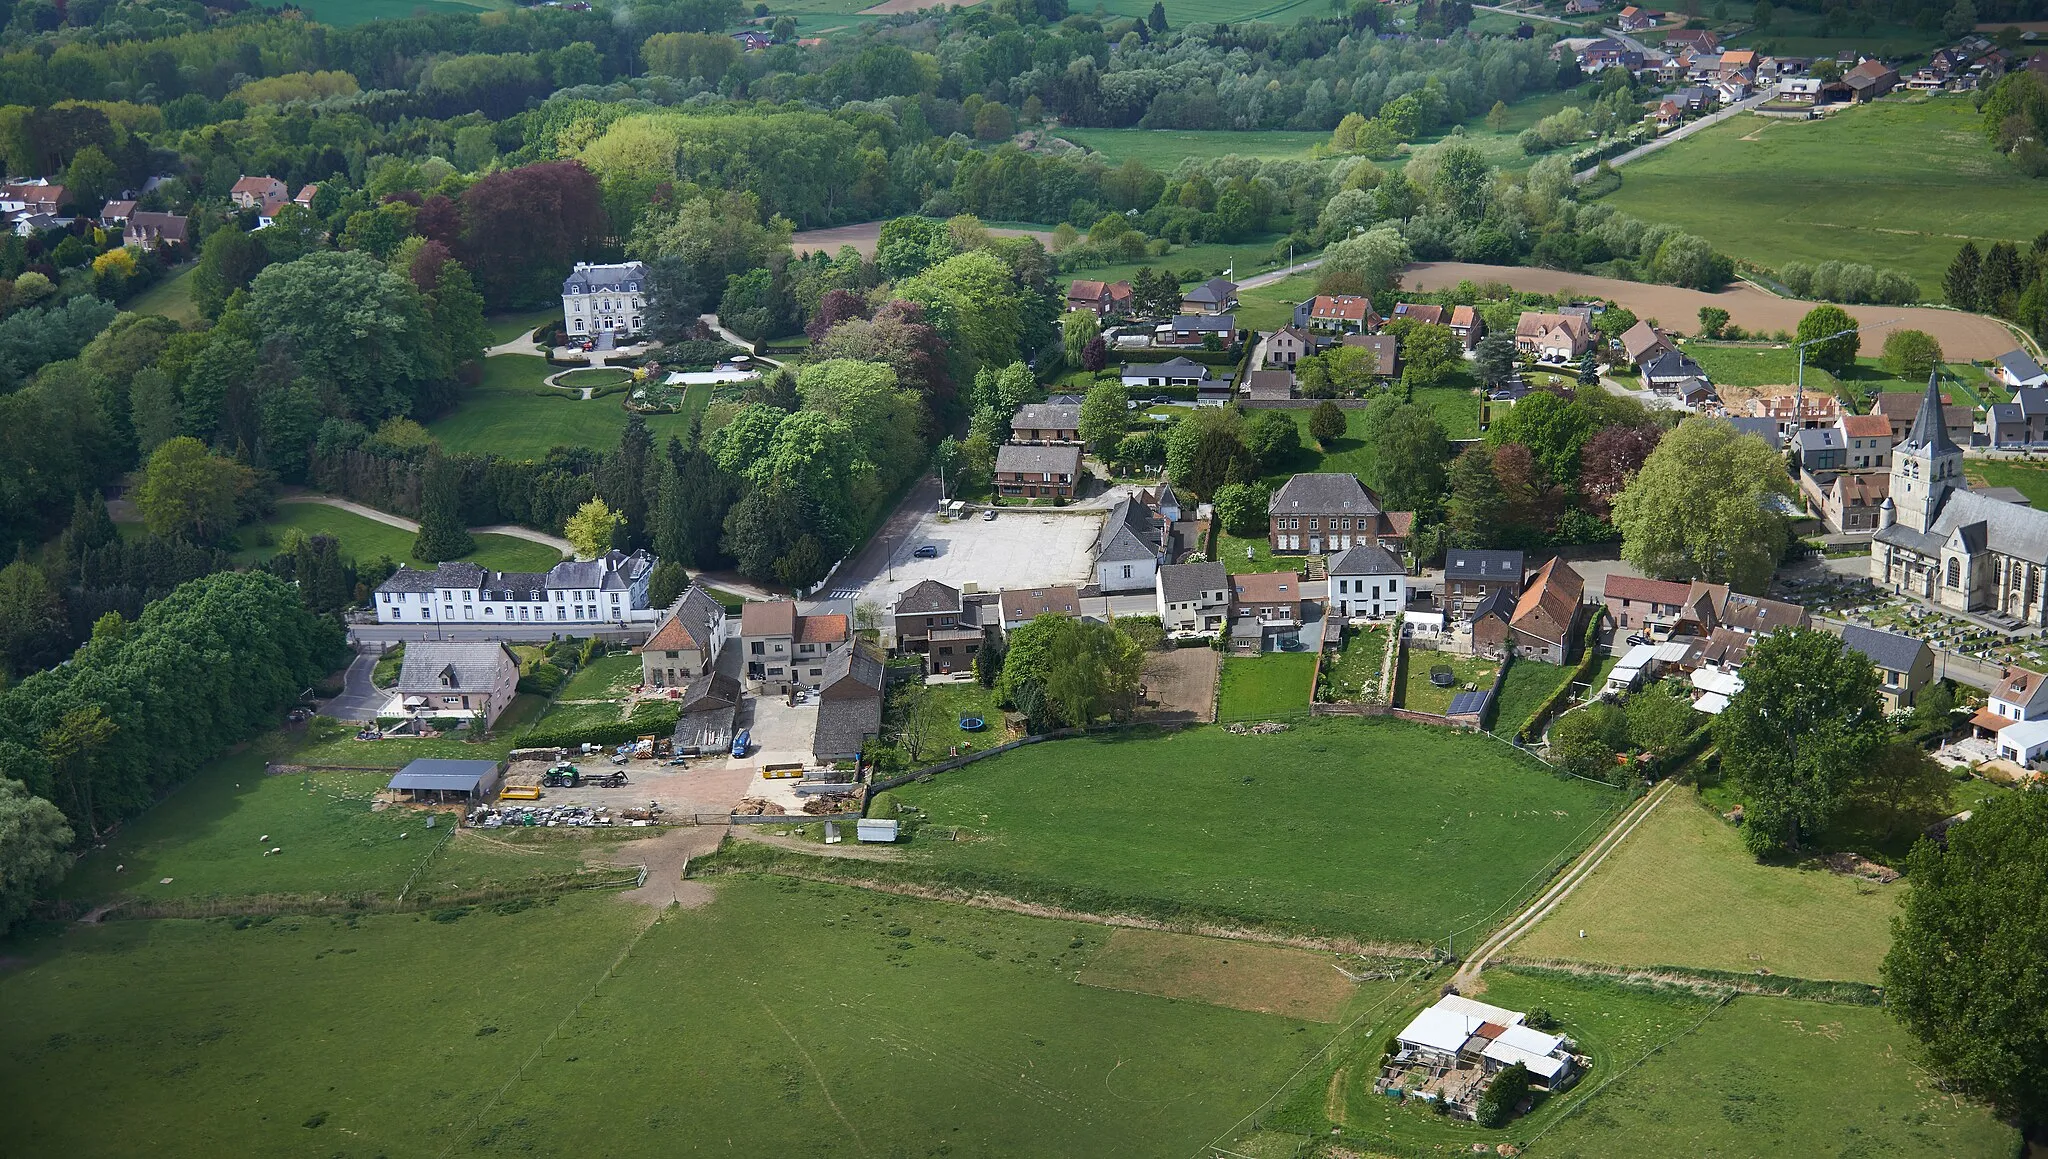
x,y
542,680
1589,658
1693,745
657,717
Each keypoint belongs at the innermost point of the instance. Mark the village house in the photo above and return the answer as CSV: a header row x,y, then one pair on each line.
x,y
1820,449
1553,337
1868,440
849,705
686,643
1672,372
1939,542
1383,353
33,196
1549,615
1046,422
1330,512
1266,611
1466,325
2016,369
1215,296
1901,409
115,213
1642,342
1871,80
605,299
1153,375
1846,502
1698,39
148,230
609,589
1583,7
1352,312
1463,1043
1196,330
935,620
2021,423
1800,90
1038,472
1269,385
304,197
1103,299
1193,598
1020,606
1131,545
469,681
1367,582
1471,575
784,649
1420,313
1635,19
266,195
1638,605
1905,664
1289,345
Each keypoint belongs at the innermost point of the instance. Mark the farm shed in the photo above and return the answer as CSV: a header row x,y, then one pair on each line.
x,y
437,779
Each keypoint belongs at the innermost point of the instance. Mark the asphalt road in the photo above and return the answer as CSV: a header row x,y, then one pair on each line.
x,y
359,699
873,560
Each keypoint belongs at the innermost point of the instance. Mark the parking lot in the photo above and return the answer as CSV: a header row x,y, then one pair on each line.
x,y
1021,547
708,785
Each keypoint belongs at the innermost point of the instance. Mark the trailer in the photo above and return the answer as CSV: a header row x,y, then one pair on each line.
x,y
783,771
520,793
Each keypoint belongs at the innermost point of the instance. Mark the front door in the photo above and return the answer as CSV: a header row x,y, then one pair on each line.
x,y
1315,545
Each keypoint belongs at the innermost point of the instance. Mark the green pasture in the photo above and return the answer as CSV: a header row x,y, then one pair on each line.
x,y
365,539
1165,149
1272,306
512,413
1900,183
1796,33
794,1018
171,297
1373,828
1276,684
1774,364
1680,891
1246,257
343,13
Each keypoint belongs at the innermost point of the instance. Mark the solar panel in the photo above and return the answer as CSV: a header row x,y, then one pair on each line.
x,y
1469,703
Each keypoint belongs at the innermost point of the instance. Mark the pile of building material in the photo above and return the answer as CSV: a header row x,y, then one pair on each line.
x,y
756,807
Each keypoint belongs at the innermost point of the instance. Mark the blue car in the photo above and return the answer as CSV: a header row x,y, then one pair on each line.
x,y
740,742
926,552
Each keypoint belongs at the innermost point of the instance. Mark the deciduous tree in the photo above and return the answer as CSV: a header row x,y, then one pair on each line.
x,y
188,491
1835,354
590,530
1703,507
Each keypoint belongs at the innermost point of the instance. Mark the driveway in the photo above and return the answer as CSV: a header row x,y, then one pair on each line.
x,y
359,699
782,734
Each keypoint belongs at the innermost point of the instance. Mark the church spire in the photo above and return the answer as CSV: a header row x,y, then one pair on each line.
x,y
1930,429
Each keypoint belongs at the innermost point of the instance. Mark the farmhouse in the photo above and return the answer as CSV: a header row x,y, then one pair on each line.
x,y
1553,337
849,704
1352,312
1104,299
784,649
609,589
1327,512
1470,576
1549,614
1904,664
600,300
469,681
1038,472
1451,1051
1045,422
1367,581
1194,598
438,780
1941,543
1871,80
686,642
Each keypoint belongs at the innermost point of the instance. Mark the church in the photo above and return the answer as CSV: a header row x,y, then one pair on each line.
x,y
1942,543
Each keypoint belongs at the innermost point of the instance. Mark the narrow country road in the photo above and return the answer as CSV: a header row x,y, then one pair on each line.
x,y
359,699
1521,15
1678,134
1271,276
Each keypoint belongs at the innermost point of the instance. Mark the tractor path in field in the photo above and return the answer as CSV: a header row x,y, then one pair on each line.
x,y
667,857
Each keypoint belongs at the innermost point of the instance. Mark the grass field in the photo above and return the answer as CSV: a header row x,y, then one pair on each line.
x,y
1211,258
505,327
1897,183
1354,672
801,1019
1456,409
2030,478
1273,685
1271,307
347,12
1746,364
366,539
511,413
608,678
1682,892
1419,694
1165,149
1374,828
1528,684
171,297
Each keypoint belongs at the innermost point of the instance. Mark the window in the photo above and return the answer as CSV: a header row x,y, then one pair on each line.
x,y
1955,572
1127,571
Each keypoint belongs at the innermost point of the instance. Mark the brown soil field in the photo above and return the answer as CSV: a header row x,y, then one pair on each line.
x,y
1241,975
1180,685
1962,336
864,236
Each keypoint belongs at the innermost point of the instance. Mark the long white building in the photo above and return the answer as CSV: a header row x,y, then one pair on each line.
x,y
611,589
600,298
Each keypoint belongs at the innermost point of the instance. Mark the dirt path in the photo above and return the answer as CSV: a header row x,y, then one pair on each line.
x,y
1962,336
665,858
1467,978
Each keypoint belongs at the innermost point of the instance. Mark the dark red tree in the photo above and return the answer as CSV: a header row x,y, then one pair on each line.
x,y
1533,502
425,270
1095,355
439,219
524,227
1609,460
834,307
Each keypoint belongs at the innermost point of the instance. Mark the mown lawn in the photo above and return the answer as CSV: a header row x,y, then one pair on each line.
x,y
1273,685
1528,684
1164,149
511,413
365,539
606,678
1419,694
1680,891
1897,183
821,1020
171,297
1374,828
2030,478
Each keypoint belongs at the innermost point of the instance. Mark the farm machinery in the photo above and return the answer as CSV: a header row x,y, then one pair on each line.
x,y
567,776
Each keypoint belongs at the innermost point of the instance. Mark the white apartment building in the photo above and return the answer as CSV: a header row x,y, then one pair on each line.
x,y
611,589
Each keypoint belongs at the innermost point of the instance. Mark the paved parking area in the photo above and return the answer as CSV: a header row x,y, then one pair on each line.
x,y
1021,547
781,733
707,786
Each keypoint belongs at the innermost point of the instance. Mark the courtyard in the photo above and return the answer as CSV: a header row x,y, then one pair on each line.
x,y
1020,548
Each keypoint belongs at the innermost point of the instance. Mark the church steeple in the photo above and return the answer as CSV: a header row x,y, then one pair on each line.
x,y
1927,465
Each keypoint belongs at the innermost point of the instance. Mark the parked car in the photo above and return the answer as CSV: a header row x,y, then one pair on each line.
x,y
740,742
988,515
1638,640
926,552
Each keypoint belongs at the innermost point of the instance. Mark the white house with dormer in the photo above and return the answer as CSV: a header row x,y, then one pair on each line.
x,y
605,299
608,590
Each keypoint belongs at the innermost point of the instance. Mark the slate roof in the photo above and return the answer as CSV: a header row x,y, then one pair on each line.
x,y
1184,583
1205,323
693,624
2020,532
1671,366
1123,534
928,597
1045,416
1763,428
1887,650
1384,348
1368,559
1814,439
1171,368
614,571
1056,459
466,667
1466,564
1930,427
628,277
2020,365
1270,384
446,575
1499,603
169,227
709,692
1322,491
1215,291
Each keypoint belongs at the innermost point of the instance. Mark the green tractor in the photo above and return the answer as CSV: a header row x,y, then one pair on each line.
x,y
563,776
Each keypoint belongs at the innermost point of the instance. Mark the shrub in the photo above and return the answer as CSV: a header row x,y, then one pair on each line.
x,y
655,717
542,680
1503,1095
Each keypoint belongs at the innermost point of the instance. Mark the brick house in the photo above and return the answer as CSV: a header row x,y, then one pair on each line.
x,y
1848,503
1549,615
1328,512
1466,325
1104,299
1351,312
1900,408
1637,604
146,230
1193,597
1553,337
1471,576
1289,345
1039,472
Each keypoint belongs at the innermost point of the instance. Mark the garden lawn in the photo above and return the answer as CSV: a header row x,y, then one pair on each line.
x,y
365,539
605,678
1247,257
1275,684
1680,891
505,327
819,1019
1528,684
1357,666
965,700
1897,183
511,413
1374,828
1456,409
1418,694
1777,1076
2030,478
170,297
